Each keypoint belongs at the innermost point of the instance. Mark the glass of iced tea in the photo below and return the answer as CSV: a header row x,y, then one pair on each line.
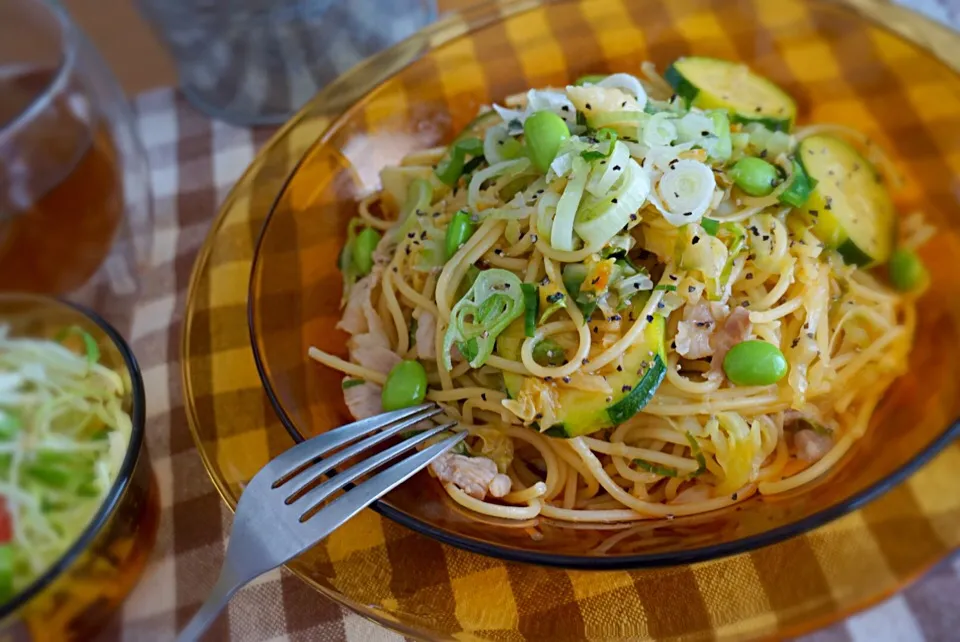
x,y
74,191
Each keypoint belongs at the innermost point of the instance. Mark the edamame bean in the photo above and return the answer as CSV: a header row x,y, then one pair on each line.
x,y
754,176
907,271
406,386
544,132
755,363
363,247
459,231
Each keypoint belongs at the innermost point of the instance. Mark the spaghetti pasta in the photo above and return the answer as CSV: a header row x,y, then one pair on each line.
x,y
708,338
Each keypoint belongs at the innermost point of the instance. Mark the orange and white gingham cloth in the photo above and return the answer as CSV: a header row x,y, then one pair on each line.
x,y
194,163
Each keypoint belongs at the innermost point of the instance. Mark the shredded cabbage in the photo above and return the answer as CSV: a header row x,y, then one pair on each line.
x,y
63,437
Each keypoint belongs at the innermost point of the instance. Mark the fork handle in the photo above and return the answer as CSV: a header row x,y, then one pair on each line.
x,y
227,584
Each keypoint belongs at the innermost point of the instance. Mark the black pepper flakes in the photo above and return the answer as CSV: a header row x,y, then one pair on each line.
x,y
749,276
619,368
626,388
588,106
649,318
566,379
483,396
695,240
613,200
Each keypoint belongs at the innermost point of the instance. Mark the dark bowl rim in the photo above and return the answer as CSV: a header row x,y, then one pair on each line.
x,y
567,561
127,467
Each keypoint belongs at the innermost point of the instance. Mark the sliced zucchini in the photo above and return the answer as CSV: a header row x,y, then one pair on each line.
x,y
582,412
849,209
709,83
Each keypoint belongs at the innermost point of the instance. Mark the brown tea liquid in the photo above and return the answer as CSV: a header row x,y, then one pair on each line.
x,y
61,196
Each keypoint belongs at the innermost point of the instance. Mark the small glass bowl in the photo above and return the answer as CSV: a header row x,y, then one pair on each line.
x,y
77,595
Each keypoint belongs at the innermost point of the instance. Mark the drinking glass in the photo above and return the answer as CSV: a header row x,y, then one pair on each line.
x,y
75,216
257,61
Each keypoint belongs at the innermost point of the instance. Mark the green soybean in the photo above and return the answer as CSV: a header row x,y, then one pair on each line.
x,y
363,247
544,132
755,363
907,271
406,386
754,176
459,231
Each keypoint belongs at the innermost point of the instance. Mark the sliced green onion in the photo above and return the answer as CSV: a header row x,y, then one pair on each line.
x,y
656,469
548,352
459,231
597,224
531,303
664,287
710,226
561,234
90,346
801,185
469,349
451,168
493,301
604,135
10,425
6,573
346,384
697,454
589,79
659,130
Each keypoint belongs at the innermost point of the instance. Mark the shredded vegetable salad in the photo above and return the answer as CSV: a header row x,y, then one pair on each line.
x,y
643,296
63,436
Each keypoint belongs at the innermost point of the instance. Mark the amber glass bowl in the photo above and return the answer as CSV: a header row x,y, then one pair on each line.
x,y
77,595
839,67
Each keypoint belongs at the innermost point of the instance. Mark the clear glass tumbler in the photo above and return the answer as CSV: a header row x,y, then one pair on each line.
x,y
75,217
257,61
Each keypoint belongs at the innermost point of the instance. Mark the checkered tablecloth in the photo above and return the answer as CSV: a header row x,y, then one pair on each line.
x,y
194,162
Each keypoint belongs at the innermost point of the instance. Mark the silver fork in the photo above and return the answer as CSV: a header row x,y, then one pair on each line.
x,y
279,514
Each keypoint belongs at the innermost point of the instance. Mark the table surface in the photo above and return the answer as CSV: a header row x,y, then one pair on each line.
x,y
194,163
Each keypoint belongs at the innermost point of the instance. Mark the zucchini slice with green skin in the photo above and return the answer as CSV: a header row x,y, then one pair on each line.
x,y
709,83
850,209
582,412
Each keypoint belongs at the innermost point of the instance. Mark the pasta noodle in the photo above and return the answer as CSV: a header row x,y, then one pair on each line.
x,y
594,352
